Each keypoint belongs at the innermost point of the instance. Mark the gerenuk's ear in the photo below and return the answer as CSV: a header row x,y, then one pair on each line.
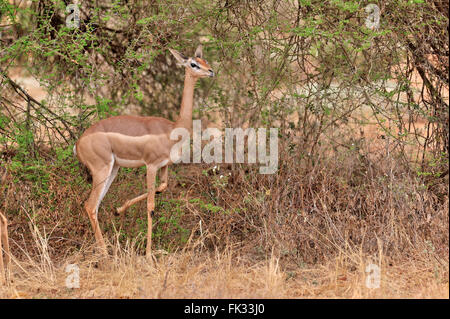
x,y
199,52
181,59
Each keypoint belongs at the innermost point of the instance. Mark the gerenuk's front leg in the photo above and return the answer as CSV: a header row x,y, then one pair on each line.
x,y
163,176
151,179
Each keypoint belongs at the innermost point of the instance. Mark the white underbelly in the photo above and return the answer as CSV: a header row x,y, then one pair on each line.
x,y
163,163
128,162
136,163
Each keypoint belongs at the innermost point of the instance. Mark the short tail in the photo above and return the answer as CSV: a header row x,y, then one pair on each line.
x,y
84,168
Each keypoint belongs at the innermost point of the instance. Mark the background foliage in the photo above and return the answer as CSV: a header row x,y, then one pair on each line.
x,y
363,118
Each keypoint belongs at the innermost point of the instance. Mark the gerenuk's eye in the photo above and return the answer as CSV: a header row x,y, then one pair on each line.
x,y
194,65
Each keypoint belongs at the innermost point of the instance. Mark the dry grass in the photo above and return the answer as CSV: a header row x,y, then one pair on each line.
x,y
220,275
229,273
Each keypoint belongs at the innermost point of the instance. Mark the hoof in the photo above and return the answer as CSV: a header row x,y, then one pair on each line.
x,y
119,211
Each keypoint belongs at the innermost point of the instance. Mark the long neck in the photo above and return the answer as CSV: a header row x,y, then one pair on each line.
x,y
187,101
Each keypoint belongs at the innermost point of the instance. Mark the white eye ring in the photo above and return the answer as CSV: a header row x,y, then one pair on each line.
x,y
194,65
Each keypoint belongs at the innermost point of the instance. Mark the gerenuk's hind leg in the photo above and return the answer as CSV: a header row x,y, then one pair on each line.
x,y
100,181
151,178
